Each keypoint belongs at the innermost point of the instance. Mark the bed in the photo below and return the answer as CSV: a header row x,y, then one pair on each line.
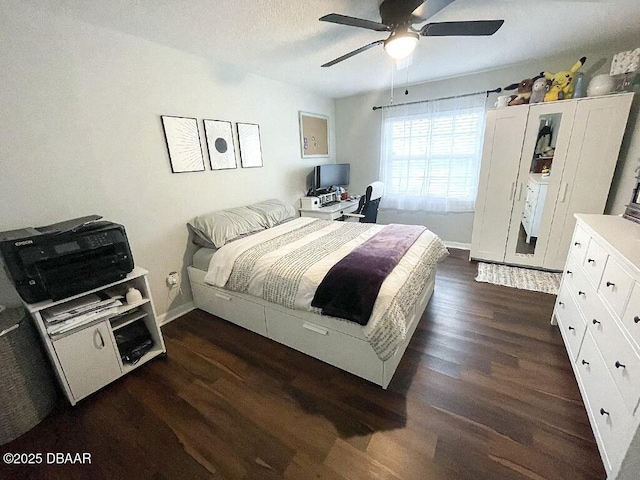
x,y
271,275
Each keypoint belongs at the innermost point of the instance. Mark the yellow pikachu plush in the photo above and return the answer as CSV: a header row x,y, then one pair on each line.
x,y
562,82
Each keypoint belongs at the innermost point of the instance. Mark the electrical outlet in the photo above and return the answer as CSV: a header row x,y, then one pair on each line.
x,y
173,279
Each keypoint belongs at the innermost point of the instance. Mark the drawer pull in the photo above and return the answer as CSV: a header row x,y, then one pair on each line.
x,y
609,284
636,319
569,272
582,293
584,362
224,297
315,328
571,328
596,322
577,244
603,412
591,260
620,365
562,303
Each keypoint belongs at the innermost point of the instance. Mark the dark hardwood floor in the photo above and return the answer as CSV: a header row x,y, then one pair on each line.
x,y
484,391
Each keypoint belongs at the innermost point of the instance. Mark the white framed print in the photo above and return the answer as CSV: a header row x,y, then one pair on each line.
x,y
249,141
183,144
219,138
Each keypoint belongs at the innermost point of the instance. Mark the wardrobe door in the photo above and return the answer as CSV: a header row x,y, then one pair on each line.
x,y
544,151
504,134
598,129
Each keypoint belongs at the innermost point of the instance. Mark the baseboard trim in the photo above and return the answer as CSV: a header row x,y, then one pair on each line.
x,y
461,246
172,314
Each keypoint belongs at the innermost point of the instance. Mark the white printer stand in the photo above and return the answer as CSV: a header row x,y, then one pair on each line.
x,y
87,358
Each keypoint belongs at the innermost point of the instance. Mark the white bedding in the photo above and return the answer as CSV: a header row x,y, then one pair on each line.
x,y
285,265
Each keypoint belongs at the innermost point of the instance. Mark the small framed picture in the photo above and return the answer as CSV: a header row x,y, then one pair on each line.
x,y
183,143
249,141
222,151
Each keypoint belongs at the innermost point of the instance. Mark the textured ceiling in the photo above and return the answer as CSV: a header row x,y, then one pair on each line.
x,y
283,39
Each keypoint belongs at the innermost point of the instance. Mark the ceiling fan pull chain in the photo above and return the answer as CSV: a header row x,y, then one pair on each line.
x,y
406,84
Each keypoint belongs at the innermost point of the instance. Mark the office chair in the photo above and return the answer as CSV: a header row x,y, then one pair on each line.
x,y
367,211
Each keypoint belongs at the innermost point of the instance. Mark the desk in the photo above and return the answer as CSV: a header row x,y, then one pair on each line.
x,y
331,212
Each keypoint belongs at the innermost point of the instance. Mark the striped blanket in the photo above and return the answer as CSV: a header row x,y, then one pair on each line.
x,y
285,265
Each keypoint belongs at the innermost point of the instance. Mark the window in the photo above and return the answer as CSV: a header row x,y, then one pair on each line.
x,y
430,154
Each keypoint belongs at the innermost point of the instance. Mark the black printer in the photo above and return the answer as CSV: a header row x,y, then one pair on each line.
x,y
67,258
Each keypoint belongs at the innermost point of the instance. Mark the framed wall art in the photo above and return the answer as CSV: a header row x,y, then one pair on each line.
x,y
219,137
249,141
183,143
314,135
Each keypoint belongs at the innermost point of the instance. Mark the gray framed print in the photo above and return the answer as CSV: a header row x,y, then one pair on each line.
x,y
183,143
249,141
314,135
222,151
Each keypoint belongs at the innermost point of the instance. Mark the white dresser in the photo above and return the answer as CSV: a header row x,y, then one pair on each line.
x,y
598,313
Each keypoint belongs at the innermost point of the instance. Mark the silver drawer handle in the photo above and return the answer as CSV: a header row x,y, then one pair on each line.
x,y
10,329
224,297
315,328
97,335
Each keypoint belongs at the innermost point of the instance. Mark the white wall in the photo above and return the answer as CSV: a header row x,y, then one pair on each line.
x,y
358,132
81,134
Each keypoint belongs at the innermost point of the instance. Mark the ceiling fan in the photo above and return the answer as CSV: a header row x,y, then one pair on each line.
x,y
399,17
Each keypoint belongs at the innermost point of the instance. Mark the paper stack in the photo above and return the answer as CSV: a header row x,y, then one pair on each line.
x,y
70,315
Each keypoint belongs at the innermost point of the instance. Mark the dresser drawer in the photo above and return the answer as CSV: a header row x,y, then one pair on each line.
x,y
579,244
583,291
571,323
620,358
631,317
595,261
615,286
609,417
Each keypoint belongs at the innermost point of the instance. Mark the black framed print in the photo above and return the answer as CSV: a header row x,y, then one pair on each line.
x,y
249,141
222,151
183,143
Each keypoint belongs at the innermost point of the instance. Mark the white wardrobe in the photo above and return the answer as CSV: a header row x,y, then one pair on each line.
x,y
569,149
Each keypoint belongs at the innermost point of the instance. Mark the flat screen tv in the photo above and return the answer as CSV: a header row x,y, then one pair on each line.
x,y
323,177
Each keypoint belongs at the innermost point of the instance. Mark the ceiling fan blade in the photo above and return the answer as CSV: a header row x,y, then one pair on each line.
x,y
429,9
398,12
354,22
351,54
470,28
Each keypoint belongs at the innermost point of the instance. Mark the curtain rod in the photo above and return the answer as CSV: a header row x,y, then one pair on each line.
x,y
486,92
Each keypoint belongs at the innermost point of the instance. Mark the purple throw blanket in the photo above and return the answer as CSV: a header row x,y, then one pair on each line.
x,y
350,288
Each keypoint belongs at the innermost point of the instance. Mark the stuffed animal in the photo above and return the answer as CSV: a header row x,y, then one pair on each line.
x,y
562,82
539,89
524,92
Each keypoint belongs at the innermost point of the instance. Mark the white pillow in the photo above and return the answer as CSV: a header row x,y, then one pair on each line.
x,y
273,211
219,228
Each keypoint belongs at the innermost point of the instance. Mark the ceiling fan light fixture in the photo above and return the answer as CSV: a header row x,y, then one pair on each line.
x,y
400,45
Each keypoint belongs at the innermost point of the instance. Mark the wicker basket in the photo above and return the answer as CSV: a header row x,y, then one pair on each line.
x,y
27,392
